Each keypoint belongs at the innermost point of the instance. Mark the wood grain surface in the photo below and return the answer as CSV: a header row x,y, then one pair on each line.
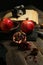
x,y
17,57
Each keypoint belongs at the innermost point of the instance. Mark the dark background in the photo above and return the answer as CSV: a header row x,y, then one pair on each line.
x,y
9,4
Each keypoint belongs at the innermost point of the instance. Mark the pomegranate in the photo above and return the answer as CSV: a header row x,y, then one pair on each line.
x,y
27,26
6,24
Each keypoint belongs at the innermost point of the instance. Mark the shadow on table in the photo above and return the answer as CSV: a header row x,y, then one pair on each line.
x,y
3,51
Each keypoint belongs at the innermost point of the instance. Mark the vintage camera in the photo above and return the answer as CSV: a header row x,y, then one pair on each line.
x,y
18,11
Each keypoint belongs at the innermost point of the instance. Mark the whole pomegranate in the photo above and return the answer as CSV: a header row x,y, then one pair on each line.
x,y
6,24
27,26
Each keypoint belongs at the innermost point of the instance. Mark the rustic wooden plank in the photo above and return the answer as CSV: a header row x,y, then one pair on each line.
x,y
15,58
39,44
14,53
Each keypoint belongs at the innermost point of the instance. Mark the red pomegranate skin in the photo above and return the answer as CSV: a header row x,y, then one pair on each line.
x,y
27,26
0,25
6,24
